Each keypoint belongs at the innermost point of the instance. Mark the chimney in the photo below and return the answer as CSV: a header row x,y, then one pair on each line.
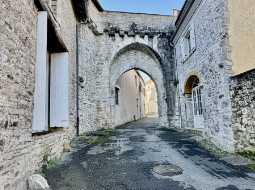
x,y
176,12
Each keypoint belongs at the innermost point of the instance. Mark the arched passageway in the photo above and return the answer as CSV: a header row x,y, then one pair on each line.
x,y
137,57
135,97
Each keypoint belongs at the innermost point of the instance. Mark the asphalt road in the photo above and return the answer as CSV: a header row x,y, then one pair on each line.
x,y
127,162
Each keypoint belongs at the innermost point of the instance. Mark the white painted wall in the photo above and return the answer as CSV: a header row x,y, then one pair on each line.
x,y
129,98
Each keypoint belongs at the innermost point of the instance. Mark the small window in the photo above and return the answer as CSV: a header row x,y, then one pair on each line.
x,y
117,91
188,43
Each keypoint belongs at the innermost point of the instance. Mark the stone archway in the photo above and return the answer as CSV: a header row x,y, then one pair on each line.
x,y
141,57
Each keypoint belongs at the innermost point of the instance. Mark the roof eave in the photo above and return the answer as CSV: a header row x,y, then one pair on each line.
x,y
184,11
98,5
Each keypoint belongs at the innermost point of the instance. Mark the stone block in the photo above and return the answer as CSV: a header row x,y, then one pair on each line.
x,y
37,182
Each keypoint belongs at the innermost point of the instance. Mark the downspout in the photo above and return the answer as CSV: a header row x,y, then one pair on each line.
x,y
77,81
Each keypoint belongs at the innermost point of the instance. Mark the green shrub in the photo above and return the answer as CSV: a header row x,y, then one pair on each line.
x,y
101,136
248,154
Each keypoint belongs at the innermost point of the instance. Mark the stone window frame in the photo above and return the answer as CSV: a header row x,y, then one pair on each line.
x,y
190,31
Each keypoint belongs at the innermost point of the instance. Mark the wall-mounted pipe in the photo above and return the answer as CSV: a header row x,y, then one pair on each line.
x,y
77,80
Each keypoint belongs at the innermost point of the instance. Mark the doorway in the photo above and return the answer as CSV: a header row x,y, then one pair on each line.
x,y
194,117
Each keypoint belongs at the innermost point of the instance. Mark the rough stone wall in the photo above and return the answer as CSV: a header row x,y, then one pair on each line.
x,y
88,48
124,20
20,152
100,42
166,51
209,63
243,108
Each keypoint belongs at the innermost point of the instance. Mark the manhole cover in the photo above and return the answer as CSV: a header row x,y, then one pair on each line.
x,y
168,170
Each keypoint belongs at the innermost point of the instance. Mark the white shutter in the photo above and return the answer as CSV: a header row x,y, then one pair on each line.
x,y
183,56
40,112
178,53
59,93
192,37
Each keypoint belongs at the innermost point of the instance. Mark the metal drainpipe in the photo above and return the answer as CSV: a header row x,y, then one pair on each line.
x,y
77,81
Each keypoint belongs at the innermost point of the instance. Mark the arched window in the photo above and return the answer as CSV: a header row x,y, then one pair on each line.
x,y
194,89
192,82
193,102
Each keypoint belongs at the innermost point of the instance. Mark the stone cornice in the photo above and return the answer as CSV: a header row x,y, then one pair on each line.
x,y
185,9
134,30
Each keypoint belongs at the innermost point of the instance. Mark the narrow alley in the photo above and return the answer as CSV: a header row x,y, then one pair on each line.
x,y
141,155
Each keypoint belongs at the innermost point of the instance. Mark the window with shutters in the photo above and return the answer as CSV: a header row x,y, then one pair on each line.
x,y
188,43
51,79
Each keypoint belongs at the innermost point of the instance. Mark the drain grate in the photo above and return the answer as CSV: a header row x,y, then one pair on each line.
x,y
168,170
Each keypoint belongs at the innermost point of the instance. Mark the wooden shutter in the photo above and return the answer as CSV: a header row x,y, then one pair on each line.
x,y
40,112
59,91
183,56
192,38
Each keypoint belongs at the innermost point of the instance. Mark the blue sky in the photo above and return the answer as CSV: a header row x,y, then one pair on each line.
x,y
163,7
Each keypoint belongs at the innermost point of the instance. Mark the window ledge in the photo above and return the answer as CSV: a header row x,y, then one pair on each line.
x,y
50,131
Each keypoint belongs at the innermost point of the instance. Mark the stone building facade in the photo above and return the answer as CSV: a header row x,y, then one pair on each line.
x,y
111,43
60,61
212,49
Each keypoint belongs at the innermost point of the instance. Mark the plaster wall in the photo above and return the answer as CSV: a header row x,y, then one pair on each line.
x,y
131,101
151,102
241,15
